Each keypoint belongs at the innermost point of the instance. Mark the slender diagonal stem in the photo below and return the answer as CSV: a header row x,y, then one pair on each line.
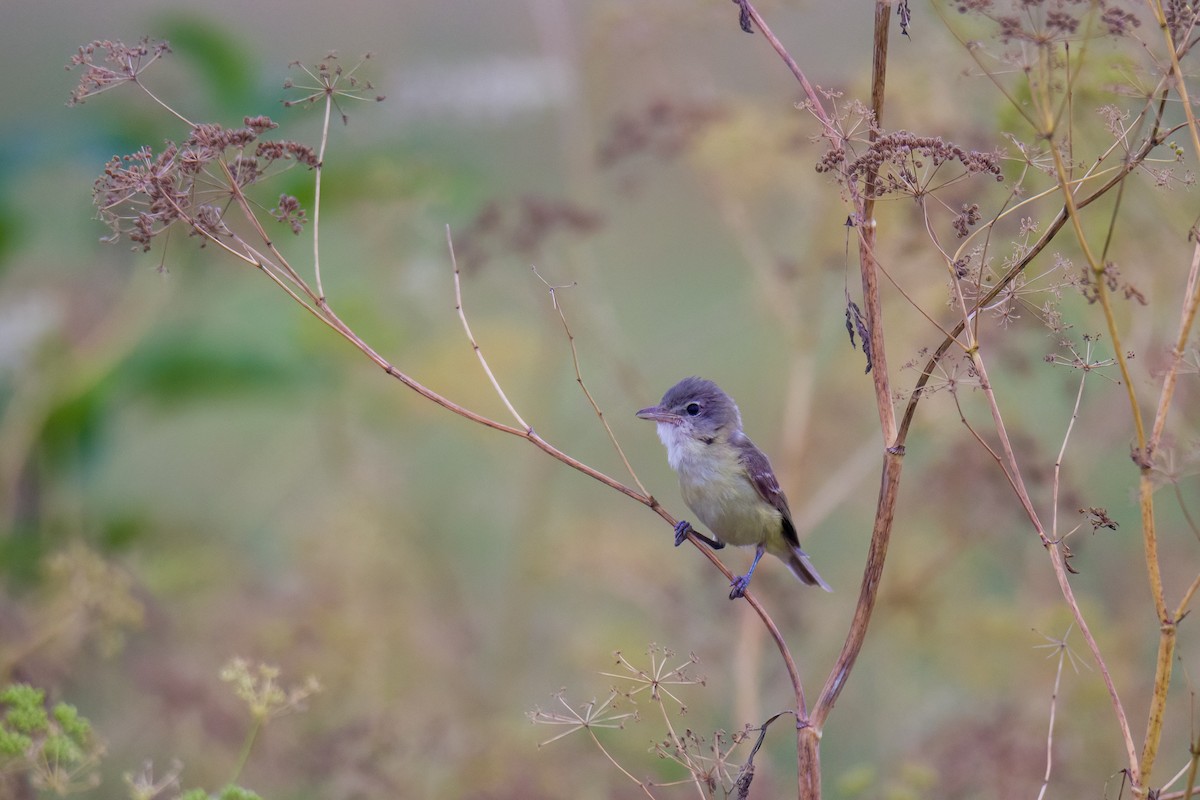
x,y
462,315
320,170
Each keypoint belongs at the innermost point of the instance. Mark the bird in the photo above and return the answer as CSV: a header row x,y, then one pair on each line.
x,y
726,480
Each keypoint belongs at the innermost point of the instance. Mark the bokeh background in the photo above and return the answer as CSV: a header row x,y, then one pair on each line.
x,y
194,469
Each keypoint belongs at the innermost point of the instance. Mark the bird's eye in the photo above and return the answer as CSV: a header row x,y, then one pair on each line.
x,y
692,409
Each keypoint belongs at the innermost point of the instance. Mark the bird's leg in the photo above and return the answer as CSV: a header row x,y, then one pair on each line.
x,y
742,582
683,528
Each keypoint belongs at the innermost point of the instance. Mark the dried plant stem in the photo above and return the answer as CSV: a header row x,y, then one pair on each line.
x,y
1190,786
978,437
1102,294
247,746
1186,600
158,100
867,232
1163,666
1054,532
691,767
1062,656
278,261
1062,451
958,293
1173,51
640,784
1011,467
1168,622
809,731
893,457
319,170
462,315
814,99
612,437
1187,320
876,556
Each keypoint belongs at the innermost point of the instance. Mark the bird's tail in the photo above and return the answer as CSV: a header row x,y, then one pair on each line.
x,y
800,565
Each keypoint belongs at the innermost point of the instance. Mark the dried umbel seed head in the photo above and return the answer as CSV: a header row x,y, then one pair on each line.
x,y
142,194
966,218
119,63
1040,22
904,163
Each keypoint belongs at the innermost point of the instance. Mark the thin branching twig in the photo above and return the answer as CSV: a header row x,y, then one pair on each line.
x,y
612,437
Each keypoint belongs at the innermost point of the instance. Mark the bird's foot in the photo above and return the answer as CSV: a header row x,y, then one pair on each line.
x,y
742,582
683,528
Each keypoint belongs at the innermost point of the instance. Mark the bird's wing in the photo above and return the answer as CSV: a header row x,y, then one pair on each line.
x,y
767,485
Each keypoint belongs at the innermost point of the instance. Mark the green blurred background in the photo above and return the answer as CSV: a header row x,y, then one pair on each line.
x,y
195,469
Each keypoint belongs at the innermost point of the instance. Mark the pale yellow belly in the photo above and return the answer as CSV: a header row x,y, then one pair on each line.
x,y
732,509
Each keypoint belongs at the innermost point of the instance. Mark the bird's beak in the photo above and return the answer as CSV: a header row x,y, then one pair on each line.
x,y
658,414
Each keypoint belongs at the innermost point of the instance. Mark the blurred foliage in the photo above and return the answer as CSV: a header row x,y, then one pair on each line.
x,y
213,56
55,747
193,470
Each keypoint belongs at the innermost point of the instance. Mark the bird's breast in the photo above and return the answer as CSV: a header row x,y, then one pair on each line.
x,y
715,486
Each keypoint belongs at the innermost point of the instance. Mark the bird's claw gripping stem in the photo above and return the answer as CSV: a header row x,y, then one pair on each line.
x,y
742,582
683,528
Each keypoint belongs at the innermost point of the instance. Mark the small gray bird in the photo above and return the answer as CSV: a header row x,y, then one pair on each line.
x,y
726,480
